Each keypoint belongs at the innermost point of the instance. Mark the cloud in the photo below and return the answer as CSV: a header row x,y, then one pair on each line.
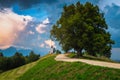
x,y
11,24
50,43
104,3
24,4
112,17
21,47
41,27
46,21
113,21
31,32
42,45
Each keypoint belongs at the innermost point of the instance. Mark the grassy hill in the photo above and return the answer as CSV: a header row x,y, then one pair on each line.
x,y
49,69
17,72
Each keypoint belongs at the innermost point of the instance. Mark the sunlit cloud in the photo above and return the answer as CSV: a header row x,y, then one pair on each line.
x,y
50,43
31,32
41,27
46,21
11,24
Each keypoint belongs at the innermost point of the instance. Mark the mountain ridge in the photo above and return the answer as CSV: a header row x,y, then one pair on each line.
x,y
12,50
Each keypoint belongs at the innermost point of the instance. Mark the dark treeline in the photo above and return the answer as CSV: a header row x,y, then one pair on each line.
x,y
7,63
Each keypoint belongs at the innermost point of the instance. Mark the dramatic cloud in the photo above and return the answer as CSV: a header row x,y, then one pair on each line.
x,y
24,3
113,21
41,27
112,17
50,43
11,24
104,3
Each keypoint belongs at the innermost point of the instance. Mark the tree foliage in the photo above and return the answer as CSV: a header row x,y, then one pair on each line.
x,y
83,27
1,54
16,60
58,52
33,57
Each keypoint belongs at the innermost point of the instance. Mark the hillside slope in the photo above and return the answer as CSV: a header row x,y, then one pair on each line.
x,y
17,72
49,69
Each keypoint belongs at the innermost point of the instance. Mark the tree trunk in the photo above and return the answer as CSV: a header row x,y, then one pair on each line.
x,y
79,53
93,54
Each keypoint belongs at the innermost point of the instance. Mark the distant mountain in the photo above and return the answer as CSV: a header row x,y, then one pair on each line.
x,y
24,51
12,50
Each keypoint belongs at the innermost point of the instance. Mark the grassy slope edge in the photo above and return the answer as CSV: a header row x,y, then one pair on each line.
x,y
17,72
89,57
49,69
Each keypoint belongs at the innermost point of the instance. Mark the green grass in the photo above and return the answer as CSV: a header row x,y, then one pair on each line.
x,y
49,69
13,74
17,72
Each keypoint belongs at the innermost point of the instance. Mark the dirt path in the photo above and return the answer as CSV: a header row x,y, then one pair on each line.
x,y
62,57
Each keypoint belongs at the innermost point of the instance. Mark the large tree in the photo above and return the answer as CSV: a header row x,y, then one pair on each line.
x,y
82,27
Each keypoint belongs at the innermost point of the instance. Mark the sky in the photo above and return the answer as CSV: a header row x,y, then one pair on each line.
x,y
27,23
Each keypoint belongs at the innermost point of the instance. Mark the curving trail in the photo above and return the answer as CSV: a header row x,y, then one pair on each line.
x,y
62,57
